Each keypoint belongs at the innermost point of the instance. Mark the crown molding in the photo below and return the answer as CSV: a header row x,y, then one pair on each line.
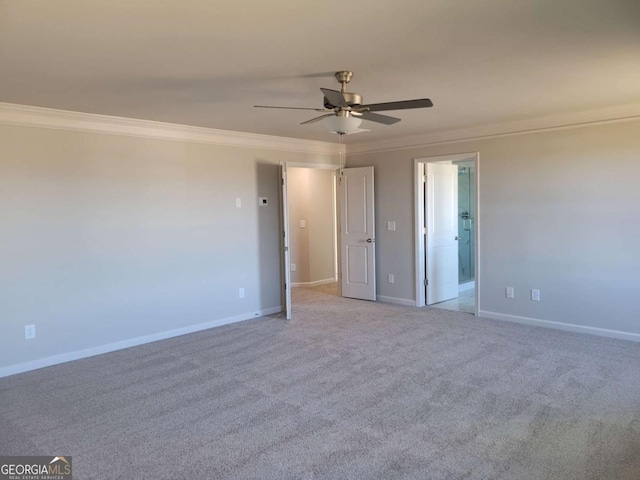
x,y
621,113
28,116
25,115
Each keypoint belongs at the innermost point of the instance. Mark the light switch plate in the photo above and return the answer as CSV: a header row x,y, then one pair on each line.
x,y
29,332
391,226
303,224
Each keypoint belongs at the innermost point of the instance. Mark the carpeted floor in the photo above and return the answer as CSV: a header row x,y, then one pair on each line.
x,y
346,390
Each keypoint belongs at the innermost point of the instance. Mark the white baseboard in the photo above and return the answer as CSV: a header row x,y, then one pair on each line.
x,y
396,301
569,327
467,286
317,283
131,342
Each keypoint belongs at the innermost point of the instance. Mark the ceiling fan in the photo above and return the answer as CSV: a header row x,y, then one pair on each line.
x,y
348,111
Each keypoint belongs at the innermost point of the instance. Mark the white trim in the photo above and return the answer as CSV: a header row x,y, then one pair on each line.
x,y
334,206
317,283
616,114
285,241
27,116
317,166
396,301
418,201
131,342
419,171
463,287
569,327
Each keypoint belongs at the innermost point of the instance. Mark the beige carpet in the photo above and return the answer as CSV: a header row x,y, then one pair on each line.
x,y
346,390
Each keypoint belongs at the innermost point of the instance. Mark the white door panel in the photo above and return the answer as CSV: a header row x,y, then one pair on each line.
x,y
357,265
442,232
357,233
356,205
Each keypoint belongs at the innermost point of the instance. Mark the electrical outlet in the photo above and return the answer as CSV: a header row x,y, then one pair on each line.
x,y
293,267
535,294
391,278
303,224
509,292
241,293
29,332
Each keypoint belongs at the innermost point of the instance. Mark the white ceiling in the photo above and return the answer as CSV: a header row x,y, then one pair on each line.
x,y
206,63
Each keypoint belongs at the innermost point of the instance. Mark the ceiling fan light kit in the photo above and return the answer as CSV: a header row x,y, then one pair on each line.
x,y
348,111
343,125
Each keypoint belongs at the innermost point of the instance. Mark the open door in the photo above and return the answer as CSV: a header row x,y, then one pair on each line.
x,y
357,233
441,211
286,257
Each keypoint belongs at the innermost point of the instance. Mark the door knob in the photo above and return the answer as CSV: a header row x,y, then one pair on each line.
x,y
457,237
370,240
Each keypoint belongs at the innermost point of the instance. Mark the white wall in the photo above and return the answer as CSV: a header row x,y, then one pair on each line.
x,y
559,211
310,193
108,238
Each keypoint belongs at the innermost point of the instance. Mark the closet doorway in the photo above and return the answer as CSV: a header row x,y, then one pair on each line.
x,y
312,226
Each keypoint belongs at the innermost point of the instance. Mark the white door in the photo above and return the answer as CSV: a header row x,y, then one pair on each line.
x,y
441,212
357,233
285,242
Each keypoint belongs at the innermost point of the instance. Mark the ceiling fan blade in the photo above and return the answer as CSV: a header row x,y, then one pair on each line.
x,y
403,105
317,119
335,97
294,108
376,117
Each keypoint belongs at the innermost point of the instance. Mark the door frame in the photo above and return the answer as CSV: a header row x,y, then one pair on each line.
x,y
286,254
286,262
419,225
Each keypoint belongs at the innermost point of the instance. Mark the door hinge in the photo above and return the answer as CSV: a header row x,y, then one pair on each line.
x,y
286,249
424,179
424,231
426,282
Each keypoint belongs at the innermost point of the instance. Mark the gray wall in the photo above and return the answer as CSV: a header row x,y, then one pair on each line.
x,y
559,211
310,193
105,238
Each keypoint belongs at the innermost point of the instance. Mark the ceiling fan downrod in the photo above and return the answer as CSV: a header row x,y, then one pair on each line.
x,y
350,99
343,78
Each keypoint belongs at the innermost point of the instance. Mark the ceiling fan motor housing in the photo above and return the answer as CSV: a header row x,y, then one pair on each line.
x,y
353,100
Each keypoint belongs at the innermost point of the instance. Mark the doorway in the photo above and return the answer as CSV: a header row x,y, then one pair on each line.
x,y
312,226
354,257
446,227
309,248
